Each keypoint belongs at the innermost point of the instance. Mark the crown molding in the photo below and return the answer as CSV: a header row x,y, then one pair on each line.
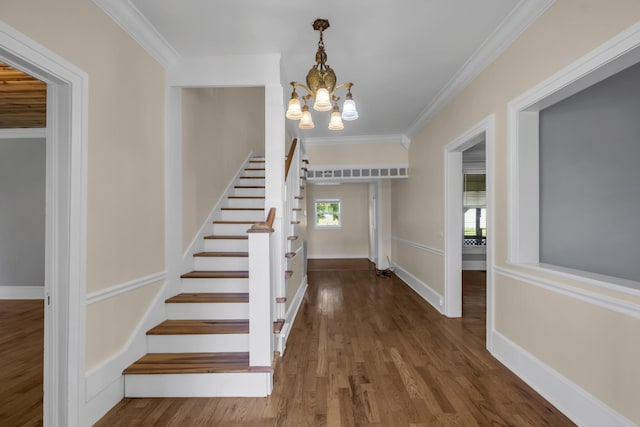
x,y
129,18
362,139
520,18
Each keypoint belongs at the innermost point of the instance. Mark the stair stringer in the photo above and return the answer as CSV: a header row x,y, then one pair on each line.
x,y
197,244
257,382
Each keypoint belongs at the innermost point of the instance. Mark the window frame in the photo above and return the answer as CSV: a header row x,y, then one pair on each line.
x,y
315,212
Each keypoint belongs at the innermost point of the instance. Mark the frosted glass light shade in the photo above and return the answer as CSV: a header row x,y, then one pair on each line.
x,y
323,100
349,111
336,120
294,111
306,122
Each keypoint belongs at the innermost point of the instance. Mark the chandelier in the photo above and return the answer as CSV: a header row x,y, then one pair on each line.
x,y
321,86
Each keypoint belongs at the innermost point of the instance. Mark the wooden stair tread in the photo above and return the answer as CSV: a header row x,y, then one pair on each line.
x,y
292,238
197,327
249,186
214,274
209,297
227,237
277,326
290,254
242,209
221,254
193,363
254,169
253,177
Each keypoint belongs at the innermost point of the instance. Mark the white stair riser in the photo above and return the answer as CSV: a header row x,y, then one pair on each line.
x,y
238,384
214,285
231,229
231,215
222,263
248,191
226,245
245,203
208,310
254,173
197,343
250,181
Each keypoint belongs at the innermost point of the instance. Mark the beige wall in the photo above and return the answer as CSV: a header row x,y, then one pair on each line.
x,y
596,348
220,127
355,154
125,188
350,240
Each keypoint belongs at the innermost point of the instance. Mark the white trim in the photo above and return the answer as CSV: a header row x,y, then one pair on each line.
x,y
100,381
122,288
627,308
290,316
577,404
134,23
98,407
523,207
315,167
406,142
65,241
624,286
422,247
421,288
197,243
339,256
23,133
373,139
522,16
22,292
453,215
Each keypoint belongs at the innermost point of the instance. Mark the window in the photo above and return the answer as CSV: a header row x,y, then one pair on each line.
x,y
327,213
475,210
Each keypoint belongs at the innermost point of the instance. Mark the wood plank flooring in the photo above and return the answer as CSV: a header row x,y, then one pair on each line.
x,y
21,358
368,351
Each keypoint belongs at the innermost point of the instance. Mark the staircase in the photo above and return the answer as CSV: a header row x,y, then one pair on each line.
x,y
202,350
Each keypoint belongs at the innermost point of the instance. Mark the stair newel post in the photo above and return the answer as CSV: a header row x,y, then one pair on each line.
x,y
260,295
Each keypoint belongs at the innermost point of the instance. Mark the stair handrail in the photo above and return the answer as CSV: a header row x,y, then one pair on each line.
x,y
287,163
265,226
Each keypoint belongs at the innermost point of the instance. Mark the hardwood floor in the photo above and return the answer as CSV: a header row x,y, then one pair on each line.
x,y
368,351
21,358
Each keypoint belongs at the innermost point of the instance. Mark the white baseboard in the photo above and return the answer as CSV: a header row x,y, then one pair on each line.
x,y
290,317
421,288
339,256
97,407
474,265
21,292
576,403
104,385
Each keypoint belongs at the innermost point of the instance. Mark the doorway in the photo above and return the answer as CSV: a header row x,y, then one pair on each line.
x,y
480,134
65,218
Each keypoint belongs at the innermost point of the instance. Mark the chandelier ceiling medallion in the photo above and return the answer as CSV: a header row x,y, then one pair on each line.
x,y
321,86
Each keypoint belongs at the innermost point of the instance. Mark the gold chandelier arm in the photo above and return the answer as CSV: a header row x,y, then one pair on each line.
x,y
309,91
341,85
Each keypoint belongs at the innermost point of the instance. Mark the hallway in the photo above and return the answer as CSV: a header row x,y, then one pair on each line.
x,y
367,350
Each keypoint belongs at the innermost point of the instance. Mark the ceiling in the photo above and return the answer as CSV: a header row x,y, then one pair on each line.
x,y
402,57
23,100
406,59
